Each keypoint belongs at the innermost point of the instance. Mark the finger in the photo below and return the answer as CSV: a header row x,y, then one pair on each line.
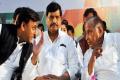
x,y
46,77
42,36
41,40
52,76
99,50
34,42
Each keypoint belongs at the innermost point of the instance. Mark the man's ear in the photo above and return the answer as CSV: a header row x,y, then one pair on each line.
x,y
101,29
23,26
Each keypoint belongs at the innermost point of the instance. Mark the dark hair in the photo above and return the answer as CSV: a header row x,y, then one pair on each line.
x,y
105,27
93,21
41,25
70,28
26,15
83,27
90,10
17,12
52,7
64,21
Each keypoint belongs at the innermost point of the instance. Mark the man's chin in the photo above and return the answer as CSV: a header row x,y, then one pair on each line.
x,y
90,45
30,41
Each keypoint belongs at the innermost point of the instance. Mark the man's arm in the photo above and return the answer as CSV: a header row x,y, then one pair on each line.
x,y
95,54
37,48
30,71
65,76
91,64
72,59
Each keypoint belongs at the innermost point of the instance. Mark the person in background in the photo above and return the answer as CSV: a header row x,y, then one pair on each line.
x,y
82,45
63,27
12,39
64,21
41,27
105,27
89,12
57,60
70,31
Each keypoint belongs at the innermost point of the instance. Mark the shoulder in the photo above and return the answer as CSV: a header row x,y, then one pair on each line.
x,y
9,28
8,31
112,36
63,35
64,38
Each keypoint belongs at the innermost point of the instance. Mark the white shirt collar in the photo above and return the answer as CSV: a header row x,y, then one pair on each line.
x,y
59,35
21,42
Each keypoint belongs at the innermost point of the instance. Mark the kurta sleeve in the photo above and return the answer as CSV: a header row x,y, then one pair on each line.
x,y
85,74
72,60
84,71
30,71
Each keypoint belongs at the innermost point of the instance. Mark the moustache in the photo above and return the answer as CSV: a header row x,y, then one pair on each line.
x,y
53,24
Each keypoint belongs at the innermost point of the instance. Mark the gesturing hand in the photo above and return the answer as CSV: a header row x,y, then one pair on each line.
x,y
37,48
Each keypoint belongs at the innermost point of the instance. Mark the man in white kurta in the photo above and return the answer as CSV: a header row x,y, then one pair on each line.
x,y
107,66
55,58
101,61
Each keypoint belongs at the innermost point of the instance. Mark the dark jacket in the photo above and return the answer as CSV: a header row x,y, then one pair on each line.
x,y
8,42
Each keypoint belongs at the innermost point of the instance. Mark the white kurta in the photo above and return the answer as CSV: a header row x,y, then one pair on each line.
x,y
55,58
107,66
80,57
7,68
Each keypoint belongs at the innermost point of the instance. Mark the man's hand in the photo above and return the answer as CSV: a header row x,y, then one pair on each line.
x,y
37,48
42,78
52,77
97,52
65,76
48,77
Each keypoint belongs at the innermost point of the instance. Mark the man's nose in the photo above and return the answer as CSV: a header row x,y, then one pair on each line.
x,y
54,20
86,37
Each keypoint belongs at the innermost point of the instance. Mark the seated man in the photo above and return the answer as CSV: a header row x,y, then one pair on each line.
x,y
102,59
12,38
57,59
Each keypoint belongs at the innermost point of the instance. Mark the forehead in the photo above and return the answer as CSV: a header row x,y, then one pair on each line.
x,y
90,15
88,27
63,26
32,23
56,13
70,32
